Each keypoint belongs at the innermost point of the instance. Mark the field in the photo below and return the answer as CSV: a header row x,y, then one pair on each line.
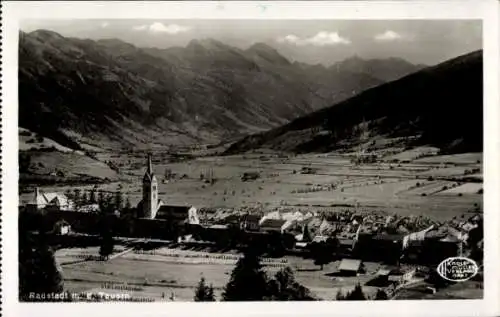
x,y
430,186
157,276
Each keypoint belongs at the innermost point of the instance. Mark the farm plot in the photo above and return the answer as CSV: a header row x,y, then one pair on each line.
x,y
73,255
428,188
380,189
468,188
465,158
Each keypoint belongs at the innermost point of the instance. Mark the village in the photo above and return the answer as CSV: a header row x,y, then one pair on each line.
x,y
336,247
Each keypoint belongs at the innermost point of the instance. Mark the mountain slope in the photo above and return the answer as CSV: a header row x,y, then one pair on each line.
x,y
111,94
439,106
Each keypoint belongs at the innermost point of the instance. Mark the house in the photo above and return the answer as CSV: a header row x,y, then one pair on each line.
x,y
401,275
319,239
178,214
273,225
88,208
232,220
416,238
250,176
350,267
346,245
50,200
251,222
380,247
62,227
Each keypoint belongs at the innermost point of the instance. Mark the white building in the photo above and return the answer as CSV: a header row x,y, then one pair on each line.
x,y
54,201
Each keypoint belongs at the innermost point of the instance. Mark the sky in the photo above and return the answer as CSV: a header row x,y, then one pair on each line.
x,y
310,41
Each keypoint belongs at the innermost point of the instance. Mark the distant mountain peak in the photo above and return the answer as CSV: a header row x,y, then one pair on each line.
x,y
259,46
46,35
206,43
268,53
386,69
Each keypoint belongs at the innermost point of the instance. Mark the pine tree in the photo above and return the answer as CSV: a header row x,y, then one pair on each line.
x,y
38,270
107,245
203,292
76,196
340,295
356,294
322,254
100,198
128,205
118,200
284,287
248,281
381,295
210,294
92,196
306,236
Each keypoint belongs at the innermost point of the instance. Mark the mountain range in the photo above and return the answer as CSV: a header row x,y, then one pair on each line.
x,y
111,94
441,106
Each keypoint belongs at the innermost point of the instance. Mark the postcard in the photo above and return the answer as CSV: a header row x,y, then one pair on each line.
x,y
289,158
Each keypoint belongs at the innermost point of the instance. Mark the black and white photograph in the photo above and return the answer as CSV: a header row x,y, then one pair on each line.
x,y
242,160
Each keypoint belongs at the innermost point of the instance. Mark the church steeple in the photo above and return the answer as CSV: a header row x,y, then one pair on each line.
x,y
148,176
149,191
150,165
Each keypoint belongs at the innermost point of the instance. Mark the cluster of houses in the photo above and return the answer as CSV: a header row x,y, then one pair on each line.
x,y
358,235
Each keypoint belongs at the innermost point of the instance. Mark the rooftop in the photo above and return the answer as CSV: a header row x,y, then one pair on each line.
x,y
350,265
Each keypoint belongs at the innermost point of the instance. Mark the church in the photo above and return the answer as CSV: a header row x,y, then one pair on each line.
x,y
151,207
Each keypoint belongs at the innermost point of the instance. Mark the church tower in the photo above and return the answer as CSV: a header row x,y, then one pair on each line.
x,y
149,192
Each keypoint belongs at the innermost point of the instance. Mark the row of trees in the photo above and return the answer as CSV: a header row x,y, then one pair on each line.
x,y
358,294
105,200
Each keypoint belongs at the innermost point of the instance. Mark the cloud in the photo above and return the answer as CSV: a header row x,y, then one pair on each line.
x,y
322,38
158,27
140,27
388,36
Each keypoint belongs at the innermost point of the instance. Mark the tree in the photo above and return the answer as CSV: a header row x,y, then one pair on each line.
x,y
128,205
100,198
356,294
381,295
24,162
321,253
284,287
340,295
107,245
76,195
38,271
92,196
248,281
203,292
118,200
306,236
106,232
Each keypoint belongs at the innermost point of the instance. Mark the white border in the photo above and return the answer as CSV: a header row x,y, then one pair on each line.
x,y
487,10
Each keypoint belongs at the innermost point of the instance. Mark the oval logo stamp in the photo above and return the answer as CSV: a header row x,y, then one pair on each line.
x,y
457,269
